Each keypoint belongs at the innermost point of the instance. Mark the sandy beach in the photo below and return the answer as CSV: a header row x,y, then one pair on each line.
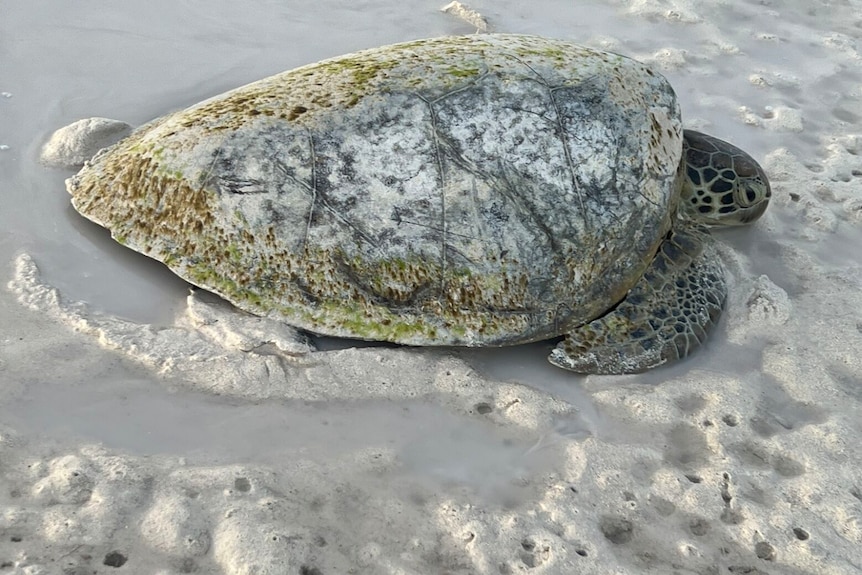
x,y
145,428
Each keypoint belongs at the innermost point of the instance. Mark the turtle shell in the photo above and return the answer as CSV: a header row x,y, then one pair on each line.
x,y
477,190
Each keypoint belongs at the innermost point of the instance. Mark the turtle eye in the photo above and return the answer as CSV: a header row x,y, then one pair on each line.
x,y
751,191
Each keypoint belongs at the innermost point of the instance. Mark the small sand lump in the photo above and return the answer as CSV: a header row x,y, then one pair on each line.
x,y
71,146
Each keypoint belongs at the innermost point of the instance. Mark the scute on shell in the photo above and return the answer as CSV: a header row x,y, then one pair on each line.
x,y
477,190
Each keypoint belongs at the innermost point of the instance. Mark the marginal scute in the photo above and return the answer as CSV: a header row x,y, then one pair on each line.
x,y
667,314
477,190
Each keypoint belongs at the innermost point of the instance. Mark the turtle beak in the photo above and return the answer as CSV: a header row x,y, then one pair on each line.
x,y
753,213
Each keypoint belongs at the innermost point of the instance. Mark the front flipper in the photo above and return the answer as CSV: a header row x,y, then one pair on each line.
x,y
664,317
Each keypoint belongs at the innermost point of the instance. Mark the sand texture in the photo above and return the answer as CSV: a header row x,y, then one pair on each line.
x,y
148,429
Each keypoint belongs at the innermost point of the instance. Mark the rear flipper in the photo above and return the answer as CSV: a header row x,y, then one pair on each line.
x,y
664,317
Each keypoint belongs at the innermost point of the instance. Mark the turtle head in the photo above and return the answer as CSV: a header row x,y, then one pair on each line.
x,y
721,184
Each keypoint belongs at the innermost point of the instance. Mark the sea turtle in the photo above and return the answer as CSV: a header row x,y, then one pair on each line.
x,y
483,190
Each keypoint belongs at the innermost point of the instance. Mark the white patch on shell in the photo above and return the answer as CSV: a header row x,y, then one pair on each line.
x,y
666,143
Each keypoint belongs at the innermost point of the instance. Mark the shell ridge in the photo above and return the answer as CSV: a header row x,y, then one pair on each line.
x,y
441,177
312,189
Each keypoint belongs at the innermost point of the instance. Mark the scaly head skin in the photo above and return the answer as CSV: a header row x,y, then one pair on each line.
x,y
722,185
